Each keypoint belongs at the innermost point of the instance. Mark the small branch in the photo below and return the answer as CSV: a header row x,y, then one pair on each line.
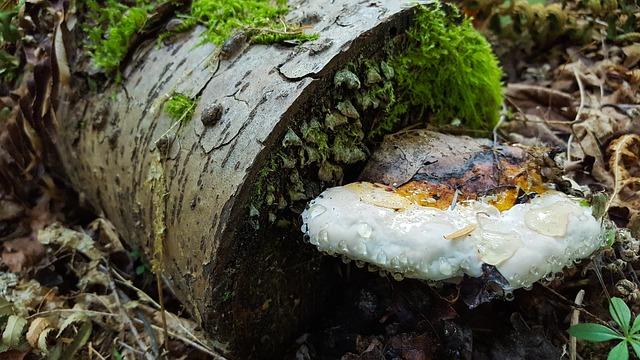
x,y
575,318
55,311
206,350
578,114
126,318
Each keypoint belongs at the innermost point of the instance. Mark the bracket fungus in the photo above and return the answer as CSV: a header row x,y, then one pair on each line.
x,y
496,211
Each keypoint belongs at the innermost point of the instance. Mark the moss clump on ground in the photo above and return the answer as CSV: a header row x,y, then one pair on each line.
x,y
448,70
439,71
110,28
180,107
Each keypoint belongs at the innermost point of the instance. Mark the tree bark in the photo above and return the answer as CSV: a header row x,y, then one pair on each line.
x,y
251,291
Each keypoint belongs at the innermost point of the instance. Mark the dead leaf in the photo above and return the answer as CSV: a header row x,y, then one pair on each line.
x,y
13,331
79,340
93,276
79,316
71,239
624,163
13,355
531,130
43,339
10,209
632,52
107,235
38,325
21,253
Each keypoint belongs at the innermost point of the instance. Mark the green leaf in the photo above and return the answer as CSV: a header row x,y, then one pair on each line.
x,y
636,326
619,352
13,331
635,345
116,354
79,341
594,332
620,313
140,269
6,308
43,340
55,353
78,316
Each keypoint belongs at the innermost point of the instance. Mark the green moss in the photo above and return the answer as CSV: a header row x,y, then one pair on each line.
x,y
268,36
259,19
440,71
110,27
449,70
223,17
180,107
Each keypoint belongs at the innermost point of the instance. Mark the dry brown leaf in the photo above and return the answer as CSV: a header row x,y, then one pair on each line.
x,y
21,253
624,163
107,235
632,52
13,355
531,130
10,209
38,325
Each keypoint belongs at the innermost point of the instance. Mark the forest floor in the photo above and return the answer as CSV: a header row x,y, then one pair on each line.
x,y
70,286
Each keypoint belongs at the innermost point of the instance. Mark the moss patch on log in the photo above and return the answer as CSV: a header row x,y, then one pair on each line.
x,y
441,70
448,69
260,20
180,107
110,27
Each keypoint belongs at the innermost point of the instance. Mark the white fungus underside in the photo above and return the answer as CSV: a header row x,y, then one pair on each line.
x,y
524,243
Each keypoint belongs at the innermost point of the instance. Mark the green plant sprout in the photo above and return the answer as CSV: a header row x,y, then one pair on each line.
x,y
629,334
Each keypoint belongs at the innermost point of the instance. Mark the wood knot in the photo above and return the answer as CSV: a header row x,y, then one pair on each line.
x,y
211,114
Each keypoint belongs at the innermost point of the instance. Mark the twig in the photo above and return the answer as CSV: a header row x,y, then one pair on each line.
x,y
176,319
162,310
54,311
126,318
578,114
556,122
204,349
94,351
503,116
575,318
130,348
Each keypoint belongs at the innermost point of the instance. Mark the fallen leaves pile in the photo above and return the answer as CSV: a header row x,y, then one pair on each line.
x,y
70,290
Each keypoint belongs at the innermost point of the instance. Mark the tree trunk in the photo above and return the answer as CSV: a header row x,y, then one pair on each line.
x,y
251,291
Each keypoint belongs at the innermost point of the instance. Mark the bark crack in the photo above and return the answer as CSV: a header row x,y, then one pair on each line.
x,y
311,75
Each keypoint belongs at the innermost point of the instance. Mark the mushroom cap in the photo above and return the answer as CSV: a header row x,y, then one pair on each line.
x,y
375,224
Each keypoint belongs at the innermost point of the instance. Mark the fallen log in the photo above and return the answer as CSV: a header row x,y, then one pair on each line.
x,y
215,200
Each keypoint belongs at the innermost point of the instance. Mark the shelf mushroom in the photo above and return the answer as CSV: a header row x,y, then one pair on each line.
x,y
410,232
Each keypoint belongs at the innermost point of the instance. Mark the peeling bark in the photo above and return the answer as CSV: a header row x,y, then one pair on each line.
x,y
250,290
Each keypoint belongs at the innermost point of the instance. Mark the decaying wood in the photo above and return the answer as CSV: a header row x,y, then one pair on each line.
x,y
248,291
